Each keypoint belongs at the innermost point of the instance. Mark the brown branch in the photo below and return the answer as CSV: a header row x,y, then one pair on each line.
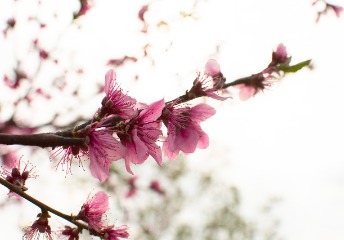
x,y
41,140
44,207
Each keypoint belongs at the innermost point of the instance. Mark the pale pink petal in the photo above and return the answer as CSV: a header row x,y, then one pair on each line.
x,y
201,112
153,112
245,92
203,141
169,148
99,170
100,201
212,68
110,78
187,140
156,154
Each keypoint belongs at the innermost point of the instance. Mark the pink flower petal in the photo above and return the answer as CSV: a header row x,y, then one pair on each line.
x,y
212,68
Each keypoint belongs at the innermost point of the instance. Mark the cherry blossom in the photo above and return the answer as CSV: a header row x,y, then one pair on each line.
x,y
116,102
94,209
39,228
140,135
184,131
112,233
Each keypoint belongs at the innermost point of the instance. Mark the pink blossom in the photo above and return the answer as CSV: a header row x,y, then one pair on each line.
x,y
17,175
155,186
69,233
84,8
184,131
337,9
112,233
115,101
93,210
103,149
209,83
132,187
140,135
39,228
280,56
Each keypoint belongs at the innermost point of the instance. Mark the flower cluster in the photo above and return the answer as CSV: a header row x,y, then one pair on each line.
x,y
123,128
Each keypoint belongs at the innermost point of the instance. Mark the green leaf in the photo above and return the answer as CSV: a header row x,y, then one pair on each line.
x,y
294,68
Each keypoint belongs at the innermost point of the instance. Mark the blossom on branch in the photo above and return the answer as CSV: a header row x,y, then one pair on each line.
x,y
279,65
112,233
115,101
39,228
183,128
140,134
93,210
69,233
17,175
209,82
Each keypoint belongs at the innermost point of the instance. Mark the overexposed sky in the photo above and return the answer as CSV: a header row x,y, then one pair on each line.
x,y
286,143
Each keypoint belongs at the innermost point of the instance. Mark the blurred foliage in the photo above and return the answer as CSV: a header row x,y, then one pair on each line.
x,y
193,205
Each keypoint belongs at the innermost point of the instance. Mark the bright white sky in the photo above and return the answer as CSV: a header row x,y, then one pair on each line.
x,y
285,143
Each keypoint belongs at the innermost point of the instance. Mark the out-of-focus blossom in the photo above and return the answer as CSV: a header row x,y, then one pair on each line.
x,y
85,6
17,175
142,12
209,83
183,128
39,228
323,7
156,187
103,149
116,102
112,233
69,233
43,54
140,134
11,22
94,209
14,82
120,61
132,187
